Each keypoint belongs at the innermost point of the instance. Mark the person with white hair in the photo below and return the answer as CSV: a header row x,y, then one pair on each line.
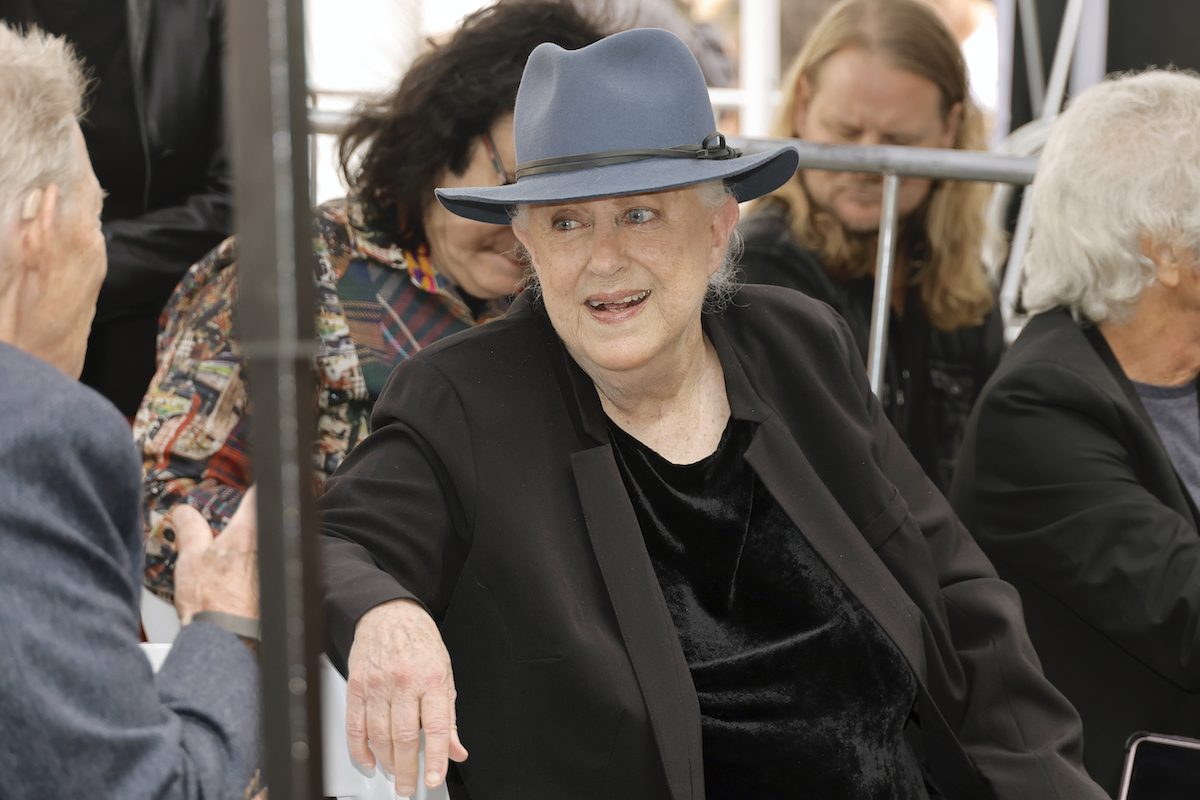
x,y
1080,470
82,712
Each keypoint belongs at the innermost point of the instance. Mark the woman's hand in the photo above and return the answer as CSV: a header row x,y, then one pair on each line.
x,y
400,682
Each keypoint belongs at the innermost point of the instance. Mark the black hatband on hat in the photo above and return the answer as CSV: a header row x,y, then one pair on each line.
x,y
704,151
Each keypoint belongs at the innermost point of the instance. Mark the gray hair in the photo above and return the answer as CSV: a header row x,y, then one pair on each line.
x,y
1121,163
723,284
42,83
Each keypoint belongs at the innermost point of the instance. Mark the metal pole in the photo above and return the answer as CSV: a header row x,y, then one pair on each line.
x,y
1055,91
1064,52
885,268
1010,290
759,29
926,162
1032,39
1090,60
269,136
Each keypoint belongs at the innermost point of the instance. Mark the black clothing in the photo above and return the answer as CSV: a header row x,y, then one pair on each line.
x,y
931,377
489,492
1065,483
797,683
155,134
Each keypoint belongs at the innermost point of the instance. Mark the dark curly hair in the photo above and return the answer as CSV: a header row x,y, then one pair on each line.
x,y
450,95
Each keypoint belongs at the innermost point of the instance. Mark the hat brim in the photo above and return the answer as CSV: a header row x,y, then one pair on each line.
x,y
749,176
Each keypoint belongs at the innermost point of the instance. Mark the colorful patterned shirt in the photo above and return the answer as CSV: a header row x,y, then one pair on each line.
x,y
377,304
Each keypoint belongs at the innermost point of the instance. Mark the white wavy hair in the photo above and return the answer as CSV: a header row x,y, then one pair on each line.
x,y
723,284
1123,161
42,84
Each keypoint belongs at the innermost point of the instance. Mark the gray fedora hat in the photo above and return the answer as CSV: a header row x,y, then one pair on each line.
x,y
629,114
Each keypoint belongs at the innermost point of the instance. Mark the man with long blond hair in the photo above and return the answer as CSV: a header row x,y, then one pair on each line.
x,y
889,72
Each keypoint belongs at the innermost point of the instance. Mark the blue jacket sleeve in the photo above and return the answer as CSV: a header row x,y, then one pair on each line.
x,y
82,713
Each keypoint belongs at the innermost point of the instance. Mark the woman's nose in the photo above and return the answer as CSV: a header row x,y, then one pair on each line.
x,y
607,256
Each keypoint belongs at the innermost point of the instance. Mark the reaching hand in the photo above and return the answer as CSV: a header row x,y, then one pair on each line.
x,y
400,682
216,573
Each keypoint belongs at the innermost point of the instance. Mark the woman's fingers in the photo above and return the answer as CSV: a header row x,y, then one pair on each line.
x,y
406,740
437,720
356,723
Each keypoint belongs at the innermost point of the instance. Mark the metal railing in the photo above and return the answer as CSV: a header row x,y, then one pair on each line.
x,y
893,163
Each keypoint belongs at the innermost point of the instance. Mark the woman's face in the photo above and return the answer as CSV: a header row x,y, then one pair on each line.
x,y
624,278
476,257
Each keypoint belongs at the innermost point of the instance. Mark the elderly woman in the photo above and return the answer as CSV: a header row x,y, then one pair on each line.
x,y
1080,471
396,271
670,540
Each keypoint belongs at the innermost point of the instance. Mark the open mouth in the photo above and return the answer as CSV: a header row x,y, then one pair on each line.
x,y
620,304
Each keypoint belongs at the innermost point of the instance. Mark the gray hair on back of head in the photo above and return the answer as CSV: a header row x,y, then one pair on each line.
x,y
42,83
723,284
1123,161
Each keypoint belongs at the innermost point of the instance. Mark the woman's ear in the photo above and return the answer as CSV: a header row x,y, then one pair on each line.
x,y
800,107
526,242
724,221
954,119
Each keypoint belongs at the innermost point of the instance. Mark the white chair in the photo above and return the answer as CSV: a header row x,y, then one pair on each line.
x,y
160,620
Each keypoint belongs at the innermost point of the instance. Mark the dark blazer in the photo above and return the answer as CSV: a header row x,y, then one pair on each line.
x,y
489,492
156,137
80,712
1066,485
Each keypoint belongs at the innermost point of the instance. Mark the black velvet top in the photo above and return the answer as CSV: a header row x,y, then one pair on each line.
x,y
801,692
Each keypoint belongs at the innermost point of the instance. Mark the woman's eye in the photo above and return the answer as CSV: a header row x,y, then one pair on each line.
x,y
566,224
640,215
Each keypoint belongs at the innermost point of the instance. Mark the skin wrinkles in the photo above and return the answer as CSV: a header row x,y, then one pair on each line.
x,y
862,99
657,375
54,271
477,257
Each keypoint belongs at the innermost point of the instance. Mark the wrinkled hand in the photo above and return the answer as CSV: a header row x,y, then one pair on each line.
x,y
216,572
400,682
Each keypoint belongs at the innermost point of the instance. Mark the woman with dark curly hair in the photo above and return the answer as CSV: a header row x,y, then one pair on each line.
x,y
396,271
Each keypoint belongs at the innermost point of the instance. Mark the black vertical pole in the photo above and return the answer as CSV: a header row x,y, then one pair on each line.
x,y
277,305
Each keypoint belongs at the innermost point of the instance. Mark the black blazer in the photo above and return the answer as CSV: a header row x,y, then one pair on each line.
x,y
931,377
489,492
1065,483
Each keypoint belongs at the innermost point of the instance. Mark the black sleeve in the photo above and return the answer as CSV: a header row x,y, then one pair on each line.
x,y
1056,496
393,526
148,255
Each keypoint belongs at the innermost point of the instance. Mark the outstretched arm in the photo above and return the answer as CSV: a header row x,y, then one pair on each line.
x,y
392,550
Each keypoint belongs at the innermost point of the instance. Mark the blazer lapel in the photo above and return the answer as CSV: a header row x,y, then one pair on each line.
x,y
793,482
1096,339
642,615
645,622
802,495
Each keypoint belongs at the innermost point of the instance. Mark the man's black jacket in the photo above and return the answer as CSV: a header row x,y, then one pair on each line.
x,y
1065,483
